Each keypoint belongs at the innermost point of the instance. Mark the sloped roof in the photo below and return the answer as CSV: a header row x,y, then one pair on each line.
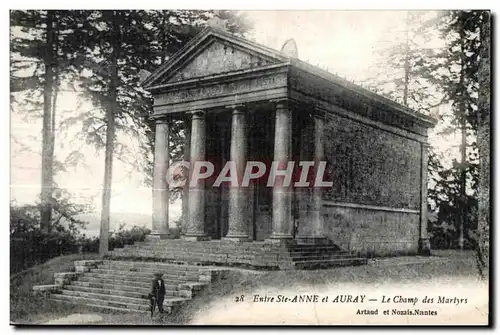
x,y
195,44
199,40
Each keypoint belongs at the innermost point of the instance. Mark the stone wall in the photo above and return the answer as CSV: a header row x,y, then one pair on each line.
x,y
373,206
371,166
371,231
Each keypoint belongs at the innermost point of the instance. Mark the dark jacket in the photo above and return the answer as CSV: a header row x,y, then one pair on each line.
x,y
158,289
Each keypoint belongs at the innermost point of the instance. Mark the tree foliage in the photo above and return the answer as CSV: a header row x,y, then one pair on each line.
x,y
424,75
99,53
45,49
402,63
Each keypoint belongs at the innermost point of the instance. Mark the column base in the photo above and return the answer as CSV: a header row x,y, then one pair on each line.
x,y
157,236
424,247
237,238
195,238
311,240
279,239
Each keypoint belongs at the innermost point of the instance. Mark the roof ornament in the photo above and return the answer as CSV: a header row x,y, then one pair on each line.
x,y
143,75
217,23
289,48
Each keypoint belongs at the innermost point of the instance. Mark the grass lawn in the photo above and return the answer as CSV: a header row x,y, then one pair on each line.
x,y
26,307
399,270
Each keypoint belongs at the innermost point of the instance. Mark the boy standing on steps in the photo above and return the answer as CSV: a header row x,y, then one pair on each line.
x,y
157,294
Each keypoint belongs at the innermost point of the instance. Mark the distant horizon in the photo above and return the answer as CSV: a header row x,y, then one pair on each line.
x,y
128,219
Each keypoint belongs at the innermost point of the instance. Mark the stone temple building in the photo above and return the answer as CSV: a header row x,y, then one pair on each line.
x,y
242,101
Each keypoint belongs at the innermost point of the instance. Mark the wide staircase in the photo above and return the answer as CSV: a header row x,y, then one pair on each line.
x,y
125,285
122,281
255,254
322,256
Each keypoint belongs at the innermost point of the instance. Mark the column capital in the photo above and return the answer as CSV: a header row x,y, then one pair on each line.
x,y
197,114
235,107
319,112
162,121
280,102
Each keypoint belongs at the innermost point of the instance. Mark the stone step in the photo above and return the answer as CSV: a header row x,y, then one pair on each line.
x,y
184,288
315,264
171,249
312,245
131,278
306,257
104,296
152,270
140,293
346,259
111,286
106,279
206,261
103,302
192,257
169,300
96,304
156,265
150,275
315,249
187,254
168,250
210,244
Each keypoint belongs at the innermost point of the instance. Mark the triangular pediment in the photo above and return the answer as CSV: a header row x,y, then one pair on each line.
x,y
217,58
211,53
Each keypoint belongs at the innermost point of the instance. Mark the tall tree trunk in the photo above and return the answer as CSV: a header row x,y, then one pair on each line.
x,y
483,140
463,185
53,121
55,93
47,151
407,61
462,212
110,136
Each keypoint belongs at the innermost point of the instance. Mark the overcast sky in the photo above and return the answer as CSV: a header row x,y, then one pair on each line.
x,y
343,41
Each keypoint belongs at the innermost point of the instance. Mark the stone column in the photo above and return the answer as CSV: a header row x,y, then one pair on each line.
x,y
160,187
317,223
304,194
238,196
424,247
311,230
282,196
195,229
187,157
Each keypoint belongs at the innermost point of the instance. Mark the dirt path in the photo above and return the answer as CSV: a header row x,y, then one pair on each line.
x,y
76,319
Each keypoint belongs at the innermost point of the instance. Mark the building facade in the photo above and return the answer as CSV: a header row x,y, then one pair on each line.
x,y
243,102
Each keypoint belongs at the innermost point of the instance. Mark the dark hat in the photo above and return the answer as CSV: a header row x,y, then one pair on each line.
x,y
158,274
